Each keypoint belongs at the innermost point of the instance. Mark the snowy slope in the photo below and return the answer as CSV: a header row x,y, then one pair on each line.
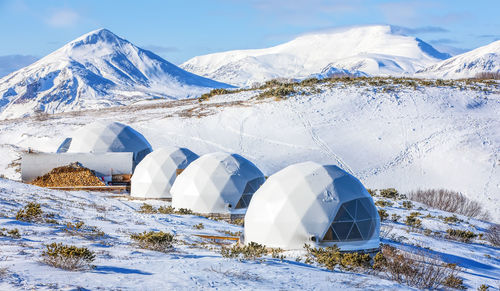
x,y
466,65
375,50
195,263
429,137
96,70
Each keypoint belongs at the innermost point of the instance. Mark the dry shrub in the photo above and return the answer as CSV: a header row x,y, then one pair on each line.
x,y
419,270
3,272
32,212
460,235
383,214
156,241
488,76
251,251
493,234
413,221
384,203
13,233
448,200
331,257
213,92
389,193
86,231
67,257
149,209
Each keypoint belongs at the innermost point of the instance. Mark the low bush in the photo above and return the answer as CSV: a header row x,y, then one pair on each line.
x,y
32,212
166,210
454,282
80,229
449,201
493,234
418,270
154,240
280,92
483,287
383,214
395,217
384,203
407,204
238,221
331,257
213,92
460,235
389,193
251,251
488,76
67,257
413,221
452,219
149,209
199,226
13,233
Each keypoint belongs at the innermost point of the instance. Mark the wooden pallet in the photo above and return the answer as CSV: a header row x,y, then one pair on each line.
x,y
93,188
215,237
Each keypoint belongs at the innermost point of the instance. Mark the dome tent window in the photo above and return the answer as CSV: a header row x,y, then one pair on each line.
x,y
311,203
250,188
355,220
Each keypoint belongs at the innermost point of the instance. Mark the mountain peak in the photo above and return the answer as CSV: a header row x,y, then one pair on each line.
x,y
101,35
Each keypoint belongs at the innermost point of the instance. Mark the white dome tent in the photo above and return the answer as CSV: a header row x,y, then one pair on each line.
x,y
217,183
106,136
314,204
156,173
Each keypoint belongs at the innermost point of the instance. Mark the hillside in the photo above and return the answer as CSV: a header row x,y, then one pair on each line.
x,y
107,223
401,133
466,65
373,50
96,70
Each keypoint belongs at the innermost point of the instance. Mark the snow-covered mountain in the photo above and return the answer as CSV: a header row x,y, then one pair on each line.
x,y
98,69
467,65
374,50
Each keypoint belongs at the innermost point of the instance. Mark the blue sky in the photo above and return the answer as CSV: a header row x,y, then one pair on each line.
x,y
178,30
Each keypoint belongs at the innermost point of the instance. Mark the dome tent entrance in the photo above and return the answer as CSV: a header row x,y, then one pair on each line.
x,y
217,183
314,204
156,173
106,136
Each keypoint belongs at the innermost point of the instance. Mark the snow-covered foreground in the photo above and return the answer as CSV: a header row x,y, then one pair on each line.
x,y
429,137
121,265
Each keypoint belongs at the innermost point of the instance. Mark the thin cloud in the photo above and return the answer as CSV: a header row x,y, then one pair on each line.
x,y
420,30
161,49
63,18
11,63
443,41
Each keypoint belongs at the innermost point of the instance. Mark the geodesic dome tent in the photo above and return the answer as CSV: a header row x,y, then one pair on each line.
x,y
314,204
155,174
105,136
217,183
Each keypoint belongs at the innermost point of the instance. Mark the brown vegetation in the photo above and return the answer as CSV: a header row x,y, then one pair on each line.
x,y
73,174
449,201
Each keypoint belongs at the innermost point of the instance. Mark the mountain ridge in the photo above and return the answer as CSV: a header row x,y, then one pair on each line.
x,y
98,69
312,53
